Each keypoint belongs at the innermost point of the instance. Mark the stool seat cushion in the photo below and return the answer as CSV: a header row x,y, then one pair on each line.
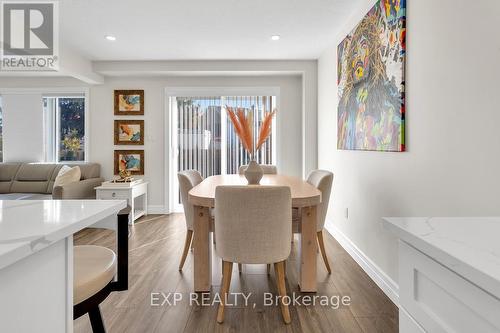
x,y
94,267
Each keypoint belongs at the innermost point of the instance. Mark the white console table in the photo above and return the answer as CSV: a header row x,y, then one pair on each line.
x,y
449,274
36,260
136,196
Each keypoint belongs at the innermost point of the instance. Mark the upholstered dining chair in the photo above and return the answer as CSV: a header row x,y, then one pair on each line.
x,y
322,180
187,180
268,169
253,227
98,271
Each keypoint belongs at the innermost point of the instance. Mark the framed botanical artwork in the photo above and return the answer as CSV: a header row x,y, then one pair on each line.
x,y
371,81
131,160
129,132
129,102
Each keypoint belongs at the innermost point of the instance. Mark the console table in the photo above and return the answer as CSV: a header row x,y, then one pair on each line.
x,y
136,196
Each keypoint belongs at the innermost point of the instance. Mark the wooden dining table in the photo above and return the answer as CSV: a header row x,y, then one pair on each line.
x,y
304,196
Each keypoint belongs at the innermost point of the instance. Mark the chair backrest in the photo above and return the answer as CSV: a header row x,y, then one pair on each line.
x,y
268,169
187,180
322,180
253,223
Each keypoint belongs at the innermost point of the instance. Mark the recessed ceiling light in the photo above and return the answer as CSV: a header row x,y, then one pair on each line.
x,y
110,37
275,37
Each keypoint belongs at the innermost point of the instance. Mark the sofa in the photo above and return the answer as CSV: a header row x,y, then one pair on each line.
x,y
35,181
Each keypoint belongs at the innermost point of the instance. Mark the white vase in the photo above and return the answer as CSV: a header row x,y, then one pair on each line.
x,y
253,173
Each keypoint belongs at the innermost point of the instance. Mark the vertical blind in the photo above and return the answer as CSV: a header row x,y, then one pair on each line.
x,y
203,130
199,134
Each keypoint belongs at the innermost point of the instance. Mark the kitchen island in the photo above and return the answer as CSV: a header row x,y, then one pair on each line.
x,y
36,260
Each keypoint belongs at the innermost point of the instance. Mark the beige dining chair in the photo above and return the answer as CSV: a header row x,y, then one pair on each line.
x,y
253,227
187,180
322,180
268,169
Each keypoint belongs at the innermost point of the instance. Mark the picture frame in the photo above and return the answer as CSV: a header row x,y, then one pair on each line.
x,y
132,160
129,102
129,132
371,112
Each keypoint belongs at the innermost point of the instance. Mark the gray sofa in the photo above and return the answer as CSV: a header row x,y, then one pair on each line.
x,y
35,181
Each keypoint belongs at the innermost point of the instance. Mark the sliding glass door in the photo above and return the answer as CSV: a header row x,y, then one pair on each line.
x,y
204,139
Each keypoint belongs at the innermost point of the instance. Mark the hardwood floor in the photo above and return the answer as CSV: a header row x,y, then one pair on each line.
x,y
156,245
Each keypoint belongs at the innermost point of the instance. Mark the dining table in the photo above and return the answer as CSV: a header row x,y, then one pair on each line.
x,y
304,196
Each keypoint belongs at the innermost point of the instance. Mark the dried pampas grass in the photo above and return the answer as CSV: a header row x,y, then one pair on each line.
x,y
243,126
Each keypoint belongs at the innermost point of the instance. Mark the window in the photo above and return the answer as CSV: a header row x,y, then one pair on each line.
x,y
1,131
64,118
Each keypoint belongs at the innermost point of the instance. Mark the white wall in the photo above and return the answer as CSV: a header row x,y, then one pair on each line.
x,y
22,127
101,117
101,122
307,69
452,163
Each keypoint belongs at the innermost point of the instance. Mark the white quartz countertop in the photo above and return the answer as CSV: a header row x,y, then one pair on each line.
x,y
469,246
27,226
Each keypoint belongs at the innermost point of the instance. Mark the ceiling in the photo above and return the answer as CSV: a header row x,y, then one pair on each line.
x,y
202,29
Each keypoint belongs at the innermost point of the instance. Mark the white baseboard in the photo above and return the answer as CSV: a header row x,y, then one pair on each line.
x,y
157,209
388,286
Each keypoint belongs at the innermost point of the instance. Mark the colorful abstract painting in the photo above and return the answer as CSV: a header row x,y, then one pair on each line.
x,y
129,132
371,81
131,160
129,102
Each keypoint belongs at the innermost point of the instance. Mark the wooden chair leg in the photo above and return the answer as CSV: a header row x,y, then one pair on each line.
x,y
240,268
323,252
268,269
280,281
226,282
187,243
96,320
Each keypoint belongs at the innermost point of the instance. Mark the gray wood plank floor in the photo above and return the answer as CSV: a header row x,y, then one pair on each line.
x,y
155,249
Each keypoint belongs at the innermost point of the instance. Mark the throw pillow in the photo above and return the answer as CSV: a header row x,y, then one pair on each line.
x,y
67,175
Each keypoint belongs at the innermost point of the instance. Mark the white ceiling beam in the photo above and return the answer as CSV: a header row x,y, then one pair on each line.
x,y
71,65
74,65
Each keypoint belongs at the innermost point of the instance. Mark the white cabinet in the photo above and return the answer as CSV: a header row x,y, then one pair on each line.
x,y
440,300
449,274
136,196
